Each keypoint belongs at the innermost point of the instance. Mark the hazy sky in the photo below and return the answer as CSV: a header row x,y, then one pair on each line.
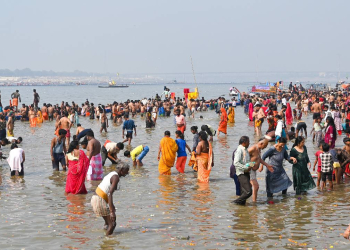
x,y
159,36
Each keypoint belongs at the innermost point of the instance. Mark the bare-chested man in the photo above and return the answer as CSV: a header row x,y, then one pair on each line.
x,y
65,124
95,171
44,112
79,129
166,108
24,113
32,115
259,116
104,121
120,112
36,100
255,156
143,109
50,112
316,109
138,106
15,96
115,112
192,107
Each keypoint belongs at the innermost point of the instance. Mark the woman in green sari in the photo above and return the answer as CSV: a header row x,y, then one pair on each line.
x,y
302,179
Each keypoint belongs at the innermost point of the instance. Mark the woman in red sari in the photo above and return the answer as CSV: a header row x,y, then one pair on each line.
x,y
223,122
289,115
78,165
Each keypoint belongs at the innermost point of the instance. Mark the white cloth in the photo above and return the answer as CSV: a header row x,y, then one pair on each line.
x,y
279,127
284,101
106,182
111,147
11,138
15,159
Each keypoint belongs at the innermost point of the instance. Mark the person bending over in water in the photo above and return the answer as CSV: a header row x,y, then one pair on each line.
x,y
102,201
16,160
137,154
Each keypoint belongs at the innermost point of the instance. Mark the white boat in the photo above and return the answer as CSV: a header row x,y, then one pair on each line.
x,y
234,92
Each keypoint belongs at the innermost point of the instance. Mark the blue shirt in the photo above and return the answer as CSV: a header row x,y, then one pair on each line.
x,y
181,144
129,125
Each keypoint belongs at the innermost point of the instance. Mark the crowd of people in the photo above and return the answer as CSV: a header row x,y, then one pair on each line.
x,y
85,156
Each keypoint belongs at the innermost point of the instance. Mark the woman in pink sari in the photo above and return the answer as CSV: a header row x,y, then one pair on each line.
x,y
331,133
251,110
289,115
78,165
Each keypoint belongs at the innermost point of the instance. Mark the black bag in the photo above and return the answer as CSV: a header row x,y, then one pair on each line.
x,y
233,168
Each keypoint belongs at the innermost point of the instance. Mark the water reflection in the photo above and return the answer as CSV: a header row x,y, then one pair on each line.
x,y
76,226
59,178
167,187
202,207
110,243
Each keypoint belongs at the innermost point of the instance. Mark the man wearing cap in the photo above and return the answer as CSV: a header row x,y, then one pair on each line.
x,y
110,150
15,96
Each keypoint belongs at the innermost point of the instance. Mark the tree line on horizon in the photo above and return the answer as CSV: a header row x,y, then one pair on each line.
x,y
28,72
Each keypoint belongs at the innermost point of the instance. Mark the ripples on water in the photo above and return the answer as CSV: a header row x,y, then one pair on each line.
x,y
163,211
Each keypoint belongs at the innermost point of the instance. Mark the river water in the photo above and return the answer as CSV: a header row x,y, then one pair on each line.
x,y
159,212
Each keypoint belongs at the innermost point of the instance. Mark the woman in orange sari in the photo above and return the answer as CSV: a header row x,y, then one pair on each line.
x,y
168,149
39,116
78,165
223,122
204,157
231,114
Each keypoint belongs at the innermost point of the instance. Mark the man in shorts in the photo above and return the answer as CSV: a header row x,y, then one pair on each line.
x,y
129,126
255,156
65,123
300,126
58,150
316,109
104,120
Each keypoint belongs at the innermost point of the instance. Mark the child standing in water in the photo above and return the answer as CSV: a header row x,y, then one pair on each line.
x,y
326,166
318,162
181,152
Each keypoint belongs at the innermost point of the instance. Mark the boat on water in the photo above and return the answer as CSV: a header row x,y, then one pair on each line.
x,y
236,95
114,85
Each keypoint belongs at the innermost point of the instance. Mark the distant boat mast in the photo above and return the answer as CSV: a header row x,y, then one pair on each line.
x,y
256,69
194,76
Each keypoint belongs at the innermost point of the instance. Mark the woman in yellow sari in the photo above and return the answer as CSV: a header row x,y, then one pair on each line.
x,y
39,117
204,157
231,114
166,154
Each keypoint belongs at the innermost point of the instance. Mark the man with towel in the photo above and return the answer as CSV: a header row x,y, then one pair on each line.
x,y
15,96
16,160
95,171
